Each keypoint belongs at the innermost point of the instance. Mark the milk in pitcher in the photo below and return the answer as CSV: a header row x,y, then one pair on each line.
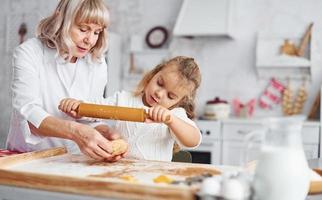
x,y
281,174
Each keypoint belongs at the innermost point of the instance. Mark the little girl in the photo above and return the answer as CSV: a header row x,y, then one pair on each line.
x,y
169,91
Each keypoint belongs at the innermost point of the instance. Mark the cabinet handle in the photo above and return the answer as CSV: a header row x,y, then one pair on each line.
x,y
241,132
208,144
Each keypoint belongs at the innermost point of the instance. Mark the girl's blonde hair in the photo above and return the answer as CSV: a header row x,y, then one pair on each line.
x,y
188,69
54,31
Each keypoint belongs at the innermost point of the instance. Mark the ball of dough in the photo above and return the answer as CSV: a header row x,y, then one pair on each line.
x,y
119,146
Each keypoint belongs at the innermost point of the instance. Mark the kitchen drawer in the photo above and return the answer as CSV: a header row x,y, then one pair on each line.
x,y
310,134
237,131
209,129
311,151
233,153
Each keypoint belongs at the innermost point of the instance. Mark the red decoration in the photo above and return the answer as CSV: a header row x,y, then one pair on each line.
x,y
271,95
244,110
5,152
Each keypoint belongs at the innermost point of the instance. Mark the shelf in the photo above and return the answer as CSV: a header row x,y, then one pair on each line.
x,y
284,61
271,63
143,61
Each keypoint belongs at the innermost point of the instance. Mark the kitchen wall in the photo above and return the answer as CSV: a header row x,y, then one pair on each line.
x,y
227,65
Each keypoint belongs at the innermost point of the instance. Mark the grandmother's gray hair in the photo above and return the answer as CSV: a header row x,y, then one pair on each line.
x,y
54,31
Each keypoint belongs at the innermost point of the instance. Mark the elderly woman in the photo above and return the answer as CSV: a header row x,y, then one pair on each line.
x,y
66,59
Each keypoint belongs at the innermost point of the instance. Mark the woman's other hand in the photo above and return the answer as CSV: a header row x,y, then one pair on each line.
x,y
108,132
92,143
111,134
70,107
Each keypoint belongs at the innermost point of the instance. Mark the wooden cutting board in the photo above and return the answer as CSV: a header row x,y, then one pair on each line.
x,y
56,170
316,186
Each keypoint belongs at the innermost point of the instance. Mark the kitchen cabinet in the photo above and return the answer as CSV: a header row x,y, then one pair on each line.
x,y
311,151
311,139
210,148
225,140
234,132
287,53
270,62
233,153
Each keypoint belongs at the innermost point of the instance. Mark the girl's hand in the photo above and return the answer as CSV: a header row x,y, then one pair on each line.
x,y
70,106
159,114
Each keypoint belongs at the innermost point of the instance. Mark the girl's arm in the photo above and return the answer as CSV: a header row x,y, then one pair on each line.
x,y
187,134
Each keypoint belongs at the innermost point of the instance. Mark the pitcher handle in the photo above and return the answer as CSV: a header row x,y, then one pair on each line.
x,y
249,140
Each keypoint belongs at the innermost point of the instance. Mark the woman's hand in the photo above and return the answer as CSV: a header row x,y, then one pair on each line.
x,y
159,114
111,134
92,143
108,132
70,106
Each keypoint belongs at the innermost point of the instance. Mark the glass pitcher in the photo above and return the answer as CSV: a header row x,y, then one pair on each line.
x,y
282,172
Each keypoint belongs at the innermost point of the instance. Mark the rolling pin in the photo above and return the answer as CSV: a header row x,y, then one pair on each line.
x,y
112,112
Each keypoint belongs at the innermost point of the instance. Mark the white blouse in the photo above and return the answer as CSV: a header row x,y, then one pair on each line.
x,y
150,141
39,82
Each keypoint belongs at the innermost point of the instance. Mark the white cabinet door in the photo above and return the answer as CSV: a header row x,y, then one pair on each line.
x,y
233,136
211,143
209,129
234,152
311,139
311,151
311,133
237,131
234,132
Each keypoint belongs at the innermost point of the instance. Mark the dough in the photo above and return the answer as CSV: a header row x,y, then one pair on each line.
x,y
119,146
